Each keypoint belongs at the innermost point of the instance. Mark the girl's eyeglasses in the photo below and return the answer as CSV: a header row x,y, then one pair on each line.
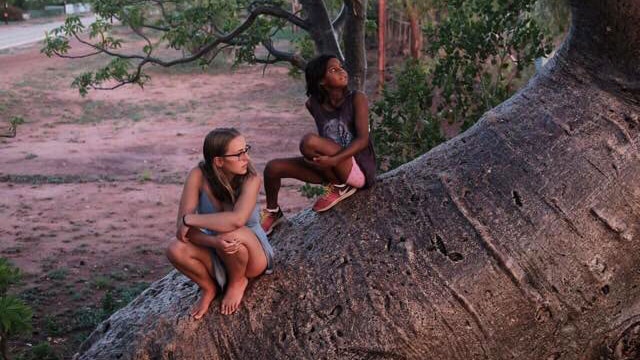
x,y
239,155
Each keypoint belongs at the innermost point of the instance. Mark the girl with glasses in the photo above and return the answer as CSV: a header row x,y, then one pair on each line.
x,y
219,242
340,156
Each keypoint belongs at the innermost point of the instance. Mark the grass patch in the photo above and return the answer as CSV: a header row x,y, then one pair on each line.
x,y
145,176
88,318
52,327
41,351
54,179
58,274
102,282
119,275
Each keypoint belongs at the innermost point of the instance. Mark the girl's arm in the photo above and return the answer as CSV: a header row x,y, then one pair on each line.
x,y
188,201
225,243
361,141
226,221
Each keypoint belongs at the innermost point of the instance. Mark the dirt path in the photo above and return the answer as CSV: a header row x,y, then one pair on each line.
x,y
89,187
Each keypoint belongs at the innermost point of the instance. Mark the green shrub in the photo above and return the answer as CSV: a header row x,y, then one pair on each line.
x,y
15,316
9,275
41,351
311,191
480,52
403,125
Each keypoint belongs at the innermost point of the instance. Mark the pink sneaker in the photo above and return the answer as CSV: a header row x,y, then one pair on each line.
x,y
269,220
333,195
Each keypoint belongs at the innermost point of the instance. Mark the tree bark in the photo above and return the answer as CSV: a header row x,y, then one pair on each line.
x,y
517,239
353,39
322,32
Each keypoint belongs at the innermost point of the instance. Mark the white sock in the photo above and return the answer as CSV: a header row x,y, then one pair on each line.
x,y
273,210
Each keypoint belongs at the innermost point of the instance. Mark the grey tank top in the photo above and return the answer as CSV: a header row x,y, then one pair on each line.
x,y
340,126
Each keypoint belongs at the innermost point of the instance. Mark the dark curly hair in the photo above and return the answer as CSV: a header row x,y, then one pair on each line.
x,y
314,73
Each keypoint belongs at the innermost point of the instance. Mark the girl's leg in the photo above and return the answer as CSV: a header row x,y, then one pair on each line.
x,y
313,145
246,263
296,168
195,262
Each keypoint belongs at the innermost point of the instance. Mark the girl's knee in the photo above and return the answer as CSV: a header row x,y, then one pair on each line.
x,y
175,250
307,144
272,169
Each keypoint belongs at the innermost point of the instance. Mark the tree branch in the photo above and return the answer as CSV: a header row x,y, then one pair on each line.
x,y
207,52
58,54
295,59
339,21
132,80
279,13
225,39
155,27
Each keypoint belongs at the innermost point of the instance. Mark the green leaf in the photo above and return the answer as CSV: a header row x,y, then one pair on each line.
x,y
15,316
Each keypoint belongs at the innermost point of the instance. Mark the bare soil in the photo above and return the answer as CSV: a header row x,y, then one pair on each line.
x,y
89,187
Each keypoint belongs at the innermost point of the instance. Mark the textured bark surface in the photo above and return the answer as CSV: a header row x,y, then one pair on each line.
x,y
517,239
322,32
353,39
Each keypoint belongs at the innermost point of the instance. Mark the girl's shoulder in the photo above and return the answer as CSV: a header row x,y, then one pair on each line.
x,y
358,95
195,174
253,180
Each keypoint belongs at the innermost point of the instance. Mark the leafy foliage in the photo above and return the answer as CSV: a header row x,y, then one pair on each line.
x,y
41,351
479,50
478,55
15,316
9,275
311,191
403,125
196,31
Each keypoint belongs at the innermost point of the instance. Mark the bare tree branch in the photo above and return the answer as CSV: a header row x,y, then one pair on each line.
x,y
280,13
155,27
295,59
338,22
58,54
139,33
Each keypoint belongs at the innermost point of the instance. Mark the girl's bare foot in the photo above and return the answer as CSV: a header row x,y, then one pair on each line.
x,y
233,296
200,308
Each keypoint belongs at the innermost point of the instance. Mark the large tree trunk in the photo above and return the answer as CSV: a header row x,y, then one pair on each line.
x,y
353,39
518,239
321,29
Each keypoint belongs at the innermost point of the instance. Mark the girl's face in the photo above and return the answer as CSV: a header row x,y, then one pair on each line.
x,y
335,76
236,160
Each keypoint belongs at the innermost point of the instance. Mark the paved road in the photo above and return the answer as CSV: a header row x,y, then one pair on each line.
x,y
13,36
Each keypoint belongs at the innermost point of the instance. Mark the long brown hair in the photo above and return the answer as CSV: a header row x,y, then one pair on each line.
x,y
216,144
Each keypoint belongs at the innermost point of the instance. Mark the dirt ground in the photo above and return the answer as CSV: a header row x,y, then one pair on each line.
x,y
89,187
